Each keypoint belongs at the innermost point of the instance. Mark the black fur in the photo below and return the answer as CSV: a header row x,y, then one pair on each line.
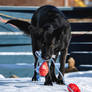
x,y
51,33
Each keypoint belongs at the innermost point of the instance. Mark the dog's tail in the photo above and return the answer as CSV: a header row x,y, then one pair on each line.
x,y
22,25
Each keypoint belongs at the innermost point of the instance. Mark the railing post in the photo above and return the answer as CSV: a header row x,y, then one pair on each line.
x,y
66,3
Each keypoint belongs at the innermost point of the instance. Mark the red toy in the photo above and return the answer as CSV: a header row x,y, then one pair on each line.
x,y
74,88
43,70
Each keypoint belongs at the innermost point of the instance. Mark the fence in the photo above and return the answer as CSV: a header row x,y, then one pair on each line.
x,y
16,46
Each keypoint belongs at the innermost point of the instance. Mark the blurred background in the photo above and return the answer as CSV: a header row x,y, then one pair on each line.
x,y
15,47
65,3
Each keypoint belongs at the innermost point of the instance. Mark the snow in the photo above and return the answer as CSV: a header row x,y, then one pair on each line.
x,y
82,79
1,76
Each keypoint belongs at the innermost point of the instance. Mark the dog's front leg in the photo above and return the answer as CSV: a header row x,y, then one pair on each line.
x,y
52,69
62,65
35,73
48,78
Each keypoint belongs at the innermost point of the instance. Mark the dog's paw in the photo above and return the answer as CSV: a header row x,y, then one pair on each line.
x,y
48,83
54,79
34,78
60,82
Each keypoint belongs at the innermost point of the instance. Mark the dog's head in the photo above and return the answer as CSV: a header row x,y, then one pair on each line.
x,y
47,36
48,40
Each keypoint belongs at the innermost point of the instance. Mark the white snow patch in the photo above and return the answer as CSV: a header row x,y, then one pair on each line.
x,y
82,79
1,76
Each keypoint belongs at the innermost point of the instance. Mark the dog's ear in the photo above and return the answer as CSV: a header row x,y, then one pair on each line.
x,y
22,25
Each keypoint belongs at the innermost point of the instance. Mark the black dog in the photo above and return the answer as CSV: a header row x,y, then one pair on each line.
x,y
51,33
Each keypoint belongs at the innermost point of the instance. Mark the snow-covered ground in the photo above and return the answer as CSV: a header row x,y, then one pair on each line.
x,y
82,79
